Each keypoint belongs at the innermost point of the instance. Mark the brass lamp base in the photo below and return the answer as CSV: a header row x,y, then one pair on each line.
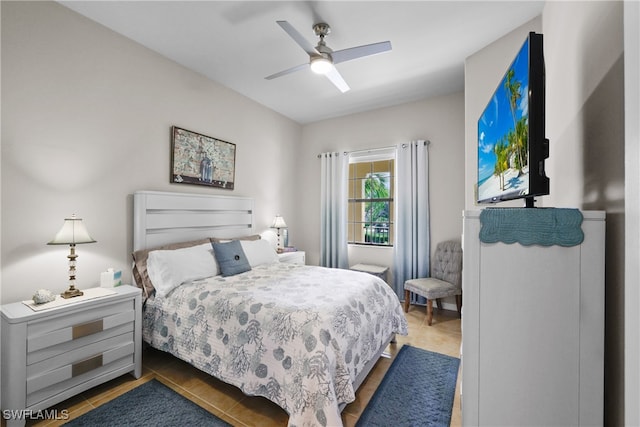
x,y
71,292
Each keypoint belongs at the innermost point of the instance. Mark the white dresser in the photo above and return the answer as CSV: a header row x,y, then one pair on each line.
x,y
51,355
294,257
533,330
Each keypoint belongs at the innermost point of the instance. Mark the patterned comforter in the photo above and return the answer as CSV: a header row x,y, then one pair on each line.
x,y
297,335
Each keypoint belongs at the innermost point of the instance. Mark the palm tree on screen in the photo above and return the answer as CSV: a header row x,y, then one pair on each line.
x,y
501,150
514,94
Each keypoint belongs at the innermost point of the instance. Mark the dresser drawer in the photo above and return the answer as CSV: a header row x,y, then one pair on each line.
x,y
41,374
64,340
61,379
45,333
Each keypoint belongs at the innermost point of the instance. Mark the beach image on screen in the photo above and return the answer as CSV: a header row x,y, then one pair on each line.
x,y
503,165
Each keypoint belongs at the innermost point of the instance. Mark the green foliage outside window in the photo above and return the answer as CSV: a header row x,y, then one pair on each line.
x,y
376,217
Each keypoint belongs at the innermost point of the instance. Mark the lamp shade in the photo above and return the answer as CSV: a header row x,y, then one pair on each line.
x,y
278,222
72,232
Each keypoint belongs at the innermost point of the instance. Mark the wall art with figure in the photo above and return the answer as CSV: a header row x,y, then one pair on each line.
x,y
201,160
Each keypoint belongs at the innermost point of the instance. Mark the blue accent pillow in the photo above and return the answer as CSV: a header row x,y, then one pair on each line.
x,y
231,258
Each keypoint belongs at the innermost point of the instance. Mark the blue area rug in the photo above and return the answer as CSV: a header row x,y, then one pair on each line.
x,y
417,390
151,404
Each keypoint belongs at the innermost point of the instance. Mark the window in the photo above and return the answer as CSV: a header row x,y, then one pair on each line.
x,y
370,204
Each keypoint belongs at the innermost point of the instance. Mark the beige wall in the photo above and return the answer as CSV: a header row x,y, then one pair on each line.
x,y
86,118
585,125
632,212
439,120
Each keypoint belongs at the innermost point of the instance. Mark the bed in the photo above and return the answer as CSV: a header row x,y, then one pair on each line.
x,y
304,337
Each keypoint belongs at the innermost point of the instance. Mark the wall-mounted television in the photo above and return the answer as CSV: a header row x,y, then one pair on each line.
x,y
512,147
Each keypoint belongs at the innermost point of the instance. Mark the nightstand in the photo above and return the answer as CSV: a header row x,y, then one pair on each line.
x,y
296,257
376,270
53,354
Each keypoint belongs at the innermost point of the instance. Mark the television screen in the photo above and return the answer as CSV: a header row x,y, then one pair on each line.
x,y
511,142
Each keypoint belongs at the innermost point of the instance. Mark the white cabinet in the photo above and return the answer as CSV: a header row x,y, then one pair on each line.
x,y
533,330
295,257
51,355
377,270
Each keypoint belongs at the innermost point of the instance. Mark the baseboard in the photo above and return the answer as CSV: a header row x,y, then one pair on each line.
x,y
445,306
449,306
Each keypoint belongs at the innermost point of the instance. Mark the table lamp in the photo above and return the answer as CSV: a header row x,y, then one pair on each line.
x,y
278,223
72,233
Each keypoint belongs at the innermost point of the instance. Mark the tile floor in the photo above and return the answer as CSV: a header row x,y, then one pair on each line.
x,y
230,404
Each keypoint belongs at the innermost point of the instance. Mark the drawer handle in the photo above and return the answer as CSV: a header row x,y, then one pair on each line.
x,y
85,329
86,365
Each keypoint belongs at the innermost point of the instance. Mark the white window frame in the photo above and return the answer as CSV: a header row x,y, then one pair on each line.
x,y
370,156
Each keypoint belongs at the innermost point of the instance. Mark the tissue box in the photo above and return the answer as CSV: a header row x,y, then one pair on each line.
x,y
110,278
117,278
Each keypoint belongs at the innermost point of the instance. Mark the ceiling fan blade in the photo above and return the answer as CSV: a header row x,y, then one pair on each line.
x,y
335,78
360,51
298,38
288,71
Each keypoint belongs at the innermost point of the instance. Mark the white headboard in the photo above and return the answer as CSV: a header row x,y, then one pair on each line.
x,y
160,218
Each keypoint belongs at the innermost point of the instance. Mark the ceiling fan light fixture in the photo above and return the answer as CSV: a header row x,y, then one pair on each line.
x,y
322,58
321,65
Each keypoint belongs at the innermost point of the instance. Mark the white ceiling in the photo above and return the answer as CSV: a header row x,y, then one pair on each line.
x,y
238,43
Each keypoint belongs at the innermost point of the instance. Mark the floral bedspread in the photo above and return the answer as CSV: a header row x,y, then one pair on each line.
x,y
297,335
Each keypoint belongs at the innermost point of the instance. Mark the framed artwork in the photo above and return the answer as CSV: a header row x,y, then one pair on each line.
x,y
201,160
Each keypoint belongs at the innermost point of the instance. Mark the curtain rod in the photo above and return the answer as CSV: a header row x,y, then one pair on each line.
x,y
424,142
370,150
331,153
373,150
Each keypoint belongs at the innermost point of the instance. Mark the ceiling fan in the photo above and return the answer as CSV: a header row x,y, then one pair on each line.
x,y
322,58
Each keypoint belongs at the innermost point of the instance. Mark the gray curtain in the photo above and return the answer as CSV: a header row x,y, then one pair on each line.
x,y
412,241
333,205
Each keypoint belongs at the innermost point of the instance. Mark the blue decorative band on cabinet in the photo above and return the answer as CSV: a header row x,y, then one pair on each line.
x,y
532,226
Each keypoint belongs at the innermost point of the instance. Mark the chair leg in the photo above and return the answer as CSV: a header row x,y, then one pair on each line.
x,y
459,304
439,303
429,311
407,298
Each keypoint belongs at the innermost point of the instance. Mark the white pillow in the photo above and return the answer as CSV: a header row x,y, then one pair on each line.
x,y
168,269
258,252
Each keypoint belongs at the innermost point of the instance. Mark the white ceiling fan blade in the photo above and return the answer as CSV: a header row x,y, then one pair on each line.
x,y
360,51
298,38
335,78
287,71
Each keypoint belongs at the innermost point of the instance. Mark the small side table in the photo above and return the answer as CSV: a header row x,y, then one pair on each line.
x,y
294,257
376,270
53,354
